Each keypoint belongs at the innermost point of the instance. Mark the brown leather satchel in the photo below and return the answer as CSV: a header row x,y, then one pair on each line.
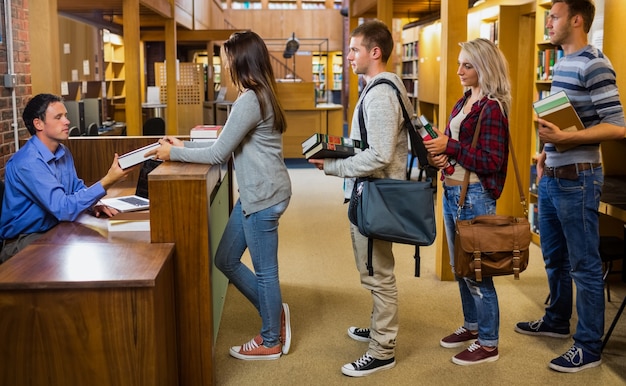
x,y
492,245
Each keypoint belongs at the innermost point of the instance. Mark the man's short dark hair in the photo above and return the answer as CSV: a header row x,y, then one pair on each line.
x,y
585,8
375,34
36,108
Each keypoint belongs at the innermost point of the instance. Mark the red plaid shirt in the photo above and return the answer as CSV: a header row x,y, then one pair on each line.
x,y
489,158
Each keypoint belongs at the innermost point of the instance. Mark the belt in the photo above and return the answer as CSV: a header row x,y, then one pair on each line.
x,y
8,241
569,172
450,182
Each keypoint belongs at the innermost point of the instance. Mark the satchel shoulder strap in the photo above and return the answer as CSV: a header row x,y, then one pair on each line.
x,y
416,139
515,167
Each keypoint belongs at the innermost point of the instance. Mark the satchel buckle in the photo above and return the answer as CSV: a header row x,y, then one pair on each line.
x,y
477,266
516,259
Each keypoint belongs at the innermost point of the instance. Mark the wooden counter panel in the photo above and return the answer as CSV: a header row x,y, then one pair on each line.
x,y
300,126
65,332
83,265
296,95
179,212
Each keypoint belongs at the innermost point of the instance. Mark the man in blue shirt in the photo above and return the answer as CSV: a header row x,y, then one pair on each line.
x,y
41,185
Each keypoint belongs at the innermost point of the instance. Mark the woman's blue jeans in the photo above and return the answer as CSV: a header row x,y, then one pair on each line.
x,y
478,299
258,232
569,231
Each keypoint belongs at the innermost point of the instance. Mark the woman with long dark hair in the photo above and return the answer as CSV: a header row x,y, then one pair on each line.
x,y
253,135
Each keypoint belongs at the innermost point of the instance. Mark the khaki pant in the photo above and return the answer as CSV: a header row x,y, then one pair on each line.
x,y
382,285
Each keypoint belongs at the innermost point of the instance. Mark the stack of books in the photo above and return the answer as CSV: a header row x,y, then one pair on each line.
x,y
205,133
329,146
558,109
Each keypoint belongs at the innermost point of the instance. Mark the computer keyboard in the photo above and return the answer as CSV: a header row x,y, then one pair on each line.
x,y
135,201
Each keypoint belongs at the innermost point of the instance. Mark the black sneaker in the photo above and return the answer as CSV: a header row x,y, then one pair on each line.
x,y
367,365
360,334
538,327
574,360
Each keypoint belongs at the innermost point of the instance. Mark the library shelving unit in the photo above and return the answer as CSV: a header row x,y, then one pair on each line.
x,y
336,76
545,56
410,62
114,74
320,71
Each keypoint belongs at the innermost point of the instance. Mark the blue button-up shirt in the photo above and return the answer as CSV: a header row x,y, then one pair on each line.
x,y
42,189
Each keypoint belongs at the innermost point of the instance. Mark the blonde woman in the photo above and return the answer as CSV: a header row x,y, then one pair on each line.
x,y
484,74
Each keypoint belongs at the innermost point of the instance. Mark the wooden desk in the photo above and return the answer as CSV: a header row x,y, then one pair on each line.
x,y
189,206
88,313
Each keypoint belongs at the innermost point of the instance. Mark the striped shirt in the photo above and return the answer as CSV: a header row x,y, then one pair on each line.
x,y
588,79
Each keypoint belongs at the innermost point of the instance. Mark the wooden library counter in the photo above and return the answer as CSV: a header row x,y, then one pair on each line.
x,y
88,281
78,310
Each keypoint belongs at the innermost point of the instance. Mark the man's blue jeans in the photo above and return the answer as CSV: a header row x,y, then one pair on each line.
x,y
569,231
478,299
258,232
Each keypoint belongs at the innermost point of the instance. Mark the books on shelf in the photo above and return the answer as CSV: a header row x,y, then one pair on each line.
x,y
137,156
558,109
329,146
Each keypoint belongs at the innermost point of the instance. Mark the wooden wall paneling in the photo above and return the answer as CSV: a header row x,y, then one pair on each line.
x,y
132,69
43,30
305,24
82,41
183,9
93,161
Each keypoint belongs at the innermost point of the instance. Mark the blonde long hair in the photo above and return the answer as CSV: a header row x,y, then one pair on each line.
x,y
493,70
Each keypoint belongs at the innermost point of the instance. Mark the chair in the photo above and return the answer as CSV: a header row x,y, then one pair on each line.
x,y
611,249
74,131
154,126
92,130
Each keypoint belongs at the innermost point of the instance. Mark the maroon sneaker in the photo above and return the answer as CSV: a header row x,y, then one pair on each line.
x,y
457,338
474,355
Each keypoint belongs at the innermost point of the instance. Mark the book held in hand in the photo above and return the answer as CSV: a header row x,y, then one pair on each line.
x,y
331,150
318,138
425,128
137,156
330,146
557,108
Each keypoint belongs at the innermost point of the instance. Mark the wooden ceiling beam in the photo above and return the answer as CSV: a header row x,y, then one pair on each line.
x,y
190,36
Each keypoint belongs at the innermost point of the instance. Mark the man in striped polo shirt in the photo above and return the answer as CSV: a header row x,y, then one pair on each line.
x,y
570,186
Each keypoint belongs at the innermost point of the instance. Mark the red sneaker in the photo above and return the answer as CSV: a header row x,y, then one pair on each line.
x,y
474,355
255,351
457,338
285,329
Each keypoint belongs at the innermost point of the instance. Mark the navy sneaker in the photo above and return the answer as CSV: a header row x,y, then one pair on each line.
x,y
574,360
367,365
360,334
538,327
